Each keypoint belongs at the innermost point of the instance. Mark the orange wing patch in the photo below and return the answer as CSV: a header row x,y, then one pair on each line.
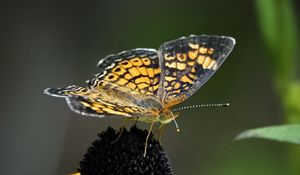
x,y
137,70
187,63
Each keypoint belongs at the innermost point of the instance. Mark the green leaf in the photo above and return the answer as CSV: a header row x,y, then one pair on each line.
x,y
283,133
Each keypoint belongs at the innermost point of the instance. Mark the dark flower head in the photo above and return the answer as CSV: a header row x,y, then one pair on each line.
x,y
125,156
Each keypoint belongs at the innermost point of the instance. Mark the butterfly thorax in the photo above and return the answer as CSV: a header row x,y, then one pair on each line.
x,y
154,115
166,116
156,110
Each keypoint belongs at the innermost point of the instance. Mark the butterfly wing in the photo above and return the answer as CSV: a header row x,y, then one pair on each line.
x,y
137,70
126,86
187,63
105,102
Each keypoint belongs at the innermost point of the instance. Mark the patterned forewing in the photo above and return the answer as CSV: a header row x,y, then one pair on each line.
x,y
136,70
99,103
187,63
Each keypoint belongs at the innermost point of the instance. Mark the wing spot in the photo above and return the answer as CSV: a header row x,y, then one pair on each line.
x,y
131,85
122,82
210,51
200,59
215,66
150,89
118,70
100,83
157,71
206,62
194,46
177,85
193,54
181,57
134,71
168,88
142,85
202,50
186,79
126,64
136,61
156,80
168,57
146,61
191,63
171,65
192,76
142,80
211,64
142,70
181,66
150,72
193,70
111,77
167,78
155,87
128,76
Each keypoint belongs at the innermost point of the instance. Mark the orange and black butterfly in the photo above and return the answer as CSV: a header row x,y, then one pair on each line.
x,y
144,84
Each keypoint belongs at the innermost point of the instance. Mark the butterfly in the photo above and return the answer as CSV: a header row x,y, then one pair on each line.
x,y
144,84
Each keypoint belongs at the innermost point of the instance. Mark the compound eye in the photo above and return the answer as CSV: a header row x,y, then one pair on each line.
x,y
162,117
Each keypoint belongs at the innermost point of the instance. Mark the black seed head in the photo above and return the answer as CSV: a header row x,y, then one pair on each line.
x,y
125,156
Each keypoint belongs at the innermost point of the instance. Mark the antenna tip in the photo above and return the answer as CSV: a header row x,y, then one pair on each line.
x,y
177,129
227,104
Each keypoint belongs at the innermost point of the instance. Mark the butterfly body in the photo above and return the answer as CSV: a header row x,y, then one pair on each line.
x,y
144,84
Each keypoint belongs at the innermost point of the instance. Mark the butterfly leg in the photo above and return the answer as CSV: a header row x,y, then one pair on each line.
x,y
121,130
136,121
146,143
161,130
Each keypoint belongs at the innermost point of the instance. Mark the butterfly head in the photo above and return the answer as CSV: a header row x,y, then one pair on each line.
x,y
167,116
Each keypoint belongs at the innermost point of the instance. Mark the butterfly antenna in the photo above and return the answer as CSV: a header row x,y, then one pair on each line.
x,y
203,105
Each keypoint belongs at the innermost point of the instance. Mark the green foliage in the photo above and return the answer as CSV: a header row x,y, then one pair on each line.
x,y
292,102
284,133
278,27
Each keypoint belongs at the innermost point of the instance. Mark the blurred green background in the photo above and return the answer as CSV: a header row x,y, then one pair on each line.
x,y
58,43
